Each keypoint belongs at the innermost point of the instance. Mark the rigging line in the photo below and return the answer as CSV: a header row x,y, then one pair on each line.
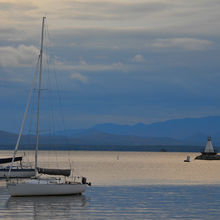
x,y
52,115
49,73
32,113
61,108
66,139
51,122
63,122
30,127
52,100
24,118
58,91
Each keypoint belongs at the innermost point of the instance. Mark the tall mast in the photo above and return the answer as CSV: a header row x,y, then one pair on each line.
x,y
39,90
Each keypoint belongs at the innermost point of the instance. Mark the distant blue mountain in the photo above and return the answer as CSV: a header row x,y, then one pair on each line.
x,y
187,131
177,128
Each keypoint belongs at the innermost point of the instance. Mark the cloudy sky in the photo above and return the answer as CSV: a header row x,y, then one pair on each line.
x,y
118,61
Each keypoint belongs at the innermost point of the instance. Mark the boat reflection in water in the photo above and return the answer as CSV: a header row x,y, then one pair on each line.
x,y
43,207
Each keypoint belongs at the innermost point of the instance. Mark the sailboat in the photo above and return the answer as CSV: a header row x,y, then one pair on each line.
x,y
19,170
38,185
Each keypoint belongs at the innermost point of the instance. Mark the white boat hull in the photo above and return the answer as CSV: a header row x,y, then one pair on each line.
x,y
17,173
29,189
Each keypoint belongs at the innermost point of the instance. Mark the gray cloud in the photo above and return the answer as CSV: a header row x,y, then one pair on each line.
x,y
138,58
17,6
89,67
112,10
184,43
79,77
18,56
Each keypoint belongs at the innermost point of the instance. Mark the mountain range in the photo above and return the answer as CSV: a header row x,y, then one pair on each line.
x,y
187,131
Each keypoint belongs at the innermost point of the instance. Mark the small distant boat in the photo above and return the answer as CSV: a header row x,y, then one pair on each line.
x,y
187,159
209,153
18,171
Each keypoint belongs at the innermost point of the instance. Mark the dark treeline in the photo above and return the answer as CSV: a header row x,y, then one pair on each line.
x,y
150,148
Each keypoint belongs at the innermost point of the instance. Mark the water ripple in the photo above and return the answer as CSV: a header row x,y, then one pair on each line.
x,y
121,202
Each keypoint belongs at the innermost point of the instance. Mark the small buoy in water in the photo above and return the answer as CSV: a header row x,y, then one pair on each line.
x,y
187,159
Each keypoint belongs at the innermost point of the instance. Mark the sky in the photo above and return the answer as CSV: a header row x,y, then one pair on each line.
x,y
121,61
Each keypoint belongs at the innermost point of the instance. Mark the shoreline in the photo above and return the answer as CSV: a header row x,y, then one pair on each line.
x,y
120,148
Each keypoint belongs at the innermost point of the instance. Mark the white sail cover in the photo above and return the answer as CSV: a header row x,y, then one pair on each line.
x,y
209,147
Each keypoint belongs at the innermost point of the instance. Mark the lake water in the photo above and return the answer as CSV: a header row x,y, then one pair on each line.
x,y
125,185
119,202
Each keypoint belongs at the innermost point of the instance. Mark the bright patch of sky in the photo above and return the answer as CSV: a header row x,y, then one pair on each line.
x,y
118,61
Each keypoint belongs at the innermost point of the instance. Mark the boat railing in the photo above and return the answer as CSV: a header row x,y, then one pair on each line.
x,y
18,167
53,180
14,180
27,165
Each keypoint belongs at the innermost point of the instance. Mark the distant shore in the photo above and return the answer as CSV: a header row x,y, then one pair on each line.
x,y
138,148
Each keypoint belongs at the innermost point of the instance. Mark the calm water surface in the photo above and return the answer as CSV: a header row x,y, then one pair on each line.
x,y
119,202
